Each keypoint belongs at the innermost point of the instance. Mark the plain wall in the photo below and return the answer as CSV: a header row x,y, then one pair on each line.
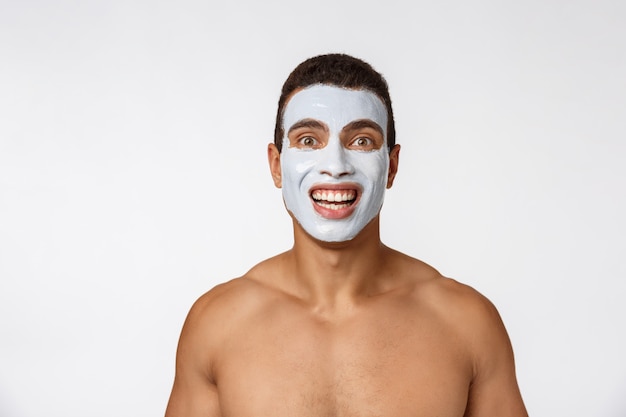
x,y
133,178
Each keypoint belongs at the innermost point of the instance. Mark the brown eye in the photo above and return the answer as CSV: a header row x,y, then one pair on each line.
x,y
362,142
308,141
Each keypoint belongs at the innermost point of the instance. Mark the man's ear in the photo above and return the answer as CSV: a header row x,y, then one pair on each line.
x,y
394,160
273,157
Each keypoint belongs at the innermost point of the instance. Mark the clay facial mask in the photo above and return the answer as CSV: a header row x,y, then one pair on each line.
x,y
334,160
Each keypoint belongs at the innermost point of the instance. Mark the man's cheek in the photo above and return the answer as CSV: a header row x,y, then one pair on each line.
x,y
372,165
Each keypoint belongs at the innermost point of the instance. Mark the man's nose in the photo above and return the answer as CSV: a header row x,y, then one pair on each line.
x,y
335,161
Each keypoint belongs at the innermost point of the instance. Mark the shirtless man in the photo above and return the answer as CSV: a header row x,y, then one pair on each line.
x,y
341,325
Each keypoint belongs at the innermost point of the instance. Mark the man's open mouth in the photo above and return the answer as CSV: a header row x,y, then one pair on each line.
x,y
334,199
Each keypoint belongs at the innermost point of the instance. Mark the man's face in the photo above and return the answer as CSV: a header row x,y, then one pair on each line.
x,y
334,160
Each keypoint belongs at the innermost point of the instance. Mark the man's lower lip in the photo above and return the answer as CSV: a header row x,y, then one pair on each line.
x,y
344,210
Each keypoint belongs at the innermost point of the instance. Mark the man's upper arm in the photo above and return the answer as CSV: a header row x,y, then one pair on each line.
x,y
494,390
194,393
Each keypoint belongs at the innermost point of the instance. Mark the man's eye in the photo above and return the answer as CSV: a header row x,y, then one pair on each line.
x,y
362,142
307,141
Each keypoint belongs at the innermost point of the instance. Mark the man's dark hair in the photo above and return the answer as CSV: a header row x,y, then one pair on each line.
x,y
339,70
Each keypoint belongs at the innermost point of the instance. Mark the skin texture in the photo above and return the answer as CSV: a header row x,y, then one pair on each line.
x,y
343,329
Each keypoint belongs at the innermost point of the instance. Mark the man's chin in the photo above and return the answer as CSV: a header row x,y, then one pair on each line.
x,y
331,232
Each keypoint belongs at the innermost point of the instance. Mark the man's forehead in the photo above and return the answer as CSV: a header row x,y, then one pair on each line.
x,y
334,106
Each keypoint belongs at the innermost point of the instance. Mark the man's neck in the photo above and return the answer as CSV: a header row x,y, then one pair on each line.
x,y
333,276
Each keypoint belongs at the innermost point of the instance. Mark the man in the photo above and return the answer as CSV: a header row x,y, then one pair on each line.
x,y
341,325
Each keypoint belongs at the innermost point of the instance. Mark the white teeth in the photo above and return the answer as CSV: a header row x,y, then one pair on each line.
x,y
333,196
334,200
333,206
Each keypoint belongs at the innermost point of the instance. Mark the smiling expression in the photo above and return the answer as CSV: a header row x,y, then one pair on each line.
x,y
334,160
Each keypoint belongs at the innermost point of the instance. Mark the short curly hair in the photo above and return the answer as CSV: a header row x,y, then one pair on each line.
x,y
340,70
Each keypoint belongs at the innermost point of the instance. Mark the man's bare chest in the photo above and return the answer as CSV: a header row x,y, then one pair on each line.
x,y
377,366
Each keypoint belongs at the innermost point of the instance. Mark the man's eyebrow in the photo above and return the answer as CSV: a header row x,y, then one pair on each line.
x,y
362,124
308,123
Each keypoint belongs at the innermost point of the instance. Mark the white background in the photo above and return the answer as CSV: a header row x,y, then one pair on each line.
x,y
133,178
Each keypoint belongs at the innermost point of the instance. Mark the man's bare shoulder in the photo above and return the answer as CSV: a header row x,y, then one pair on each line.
x,y
448,299
460,303
449,293
237,298
478,327
230,300
219,317
474,319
